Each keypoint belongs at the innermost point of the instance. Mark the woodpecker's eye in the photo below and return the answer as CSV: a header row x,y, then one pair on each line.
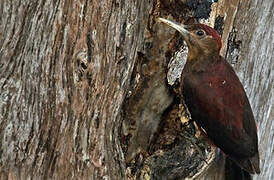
x,y
200,32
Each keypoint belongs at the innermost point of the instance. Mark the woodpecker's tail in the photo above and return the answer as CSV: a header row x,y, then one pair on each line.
x,y
251,165
234,171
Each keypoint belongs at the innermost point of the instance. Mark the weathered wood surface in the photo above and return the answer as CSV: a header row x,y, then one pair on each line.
x,y
249,37
249,34
254,62
65,68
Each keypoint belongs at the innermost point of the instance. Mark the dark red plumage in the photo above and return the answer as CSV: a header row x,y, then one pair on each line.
x,y
216,98
218,103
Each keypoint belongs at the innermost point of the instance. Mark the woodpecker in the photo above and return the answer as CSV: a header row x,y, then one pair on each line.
x,y
216,98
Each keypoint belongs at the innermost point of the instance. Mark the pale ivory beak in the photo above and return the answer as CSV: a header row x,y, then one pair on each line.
x,y
175,25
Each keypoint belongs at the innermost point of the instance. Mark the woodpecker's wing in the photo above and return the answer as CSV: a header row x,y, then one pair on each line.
x,y
218,103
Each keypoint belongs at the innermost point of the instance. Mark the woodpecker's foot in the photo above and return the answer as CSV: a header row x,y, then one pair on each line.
x,y
189,127
190,122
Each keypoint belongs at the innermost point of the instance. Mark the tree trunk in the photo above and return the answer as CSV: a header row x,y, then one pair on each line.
x,y
250,51
67,69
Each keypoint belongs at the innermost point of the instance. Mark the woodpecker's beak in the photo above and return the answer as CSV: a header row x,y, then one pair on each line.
x,y
178,27
194,46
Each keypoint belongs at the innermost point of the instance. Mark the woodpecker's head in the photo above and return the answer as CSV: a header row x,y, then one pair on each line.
x,y
201,39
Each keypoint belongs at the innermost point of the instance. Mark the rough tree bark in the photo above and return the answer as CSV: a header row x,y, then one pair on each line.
x,y
65,68
248,36
65,72
250,50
